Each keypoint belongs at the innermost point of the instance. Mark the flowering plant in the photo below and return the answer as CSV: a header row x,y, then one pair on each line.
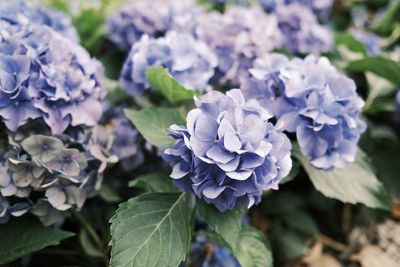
x,y
199,133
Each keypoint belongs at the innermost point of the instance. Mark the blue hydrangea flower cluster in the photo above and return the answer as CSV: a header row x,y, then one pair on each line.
x,y
154,18
311,98
189,61
321,8
49,175
204,254
238,37
218,159
48,77
301,30
21,12
236,2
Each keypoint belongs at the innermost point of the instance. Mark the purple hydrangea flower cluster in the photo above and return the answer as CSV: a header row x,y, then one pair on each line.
x,y
311,98
46,76
301,30
189,61
238,37
220,160
153,18
127,140
49,175
321,8
21,12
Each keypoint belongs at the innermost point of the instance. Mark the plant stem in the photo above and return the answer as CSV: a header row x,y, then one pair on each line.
x,y
93,234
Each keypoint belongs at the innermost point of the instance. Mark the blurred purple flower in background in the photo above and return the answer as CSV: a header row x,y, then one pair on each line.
x,y
189,61
321,8
311,98
218,159
238,37
22,12
370,40
131,22
301,31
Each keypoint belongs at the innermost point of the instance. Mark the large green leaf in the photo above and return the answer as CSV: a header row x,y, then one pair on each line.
x,y
160,79
356,183
152,229
287,244
154,182
23,236
227,225
153,124
253,249
384,67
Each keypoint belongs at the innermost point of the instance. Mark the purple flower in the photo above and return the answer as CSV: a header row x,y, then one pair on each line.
x,y
321,8
131,22
46,76
238,37
189,61
21,12
301,30
218,159
311,98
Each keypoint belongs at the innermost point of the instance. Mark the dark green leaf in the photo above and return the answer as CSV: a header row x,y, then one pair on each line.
x,y
391,18
152,229
282,202
153,124
160,79
287,244
23,236
356,183
227,224
301,221
384,67
253,249
350,42
109,194
88,245
154,182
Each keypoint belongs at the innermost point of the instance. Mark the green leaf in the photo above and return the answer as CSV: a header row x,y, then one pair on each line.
x,y
253,249
227,224
153,124
160,79
109,194
384,67
356,183
153,229
391,18
287,244
88,245
23,236
154,182
302,222
350,42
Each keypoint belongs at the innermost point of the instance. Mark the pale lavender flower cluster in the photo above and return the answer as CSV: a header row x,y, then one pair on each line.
x,y
189,61
218,158
49,175
238,37
153,18
21,12
301,31
321,8
48,77
312,99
